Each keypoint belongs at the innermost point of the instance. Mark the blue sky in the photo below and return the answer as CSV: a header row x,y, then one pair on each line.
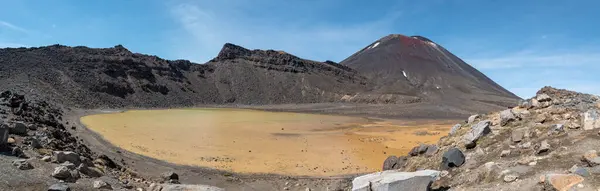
x,y
522,45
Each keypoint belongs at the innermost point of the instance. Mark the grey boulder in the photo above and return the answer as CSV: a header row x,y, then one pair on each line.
x,y
455,128
477,131
61,173
395,180
543,98
19,129
22,164
394,163
517,135
506,116
452,158
590,119
472,118
431,150
63,156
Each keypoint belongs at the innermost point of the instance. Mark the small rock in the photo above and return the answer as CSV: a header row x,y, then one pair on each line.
x,y
543,98
582,172
390,163
591,157
506,116
526,160
541,118
69,165
544,147
526,145
590,119
46,158
532,163
286,188
32,127
490,169
59,187
35,143
573,168
431,150
481,129
517,135
472,118
22,164
63,156
444,173
414,151
61,173
100,184
560,181
3,135
594,161
11,140
558,128
19,128
455,128
452,158
422,148
16,151
525,104
505,153
171,177
307,189
90,171
510,177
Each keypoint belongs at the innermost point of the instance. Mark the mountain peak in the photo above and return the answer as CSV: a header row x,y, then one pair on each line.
x,y
416,66
232,51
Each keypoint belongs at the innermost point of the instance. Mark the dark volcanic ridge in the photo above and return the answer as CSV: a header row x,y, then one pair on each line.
x,y
394,70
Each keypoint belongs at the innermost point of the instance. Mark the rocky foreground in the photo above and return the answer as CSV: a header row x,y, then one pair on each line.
x,y
38,152
549,142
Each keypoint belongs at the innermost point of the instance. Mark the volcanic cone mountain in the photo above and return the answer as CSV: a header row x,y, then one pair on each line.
x,y
416,66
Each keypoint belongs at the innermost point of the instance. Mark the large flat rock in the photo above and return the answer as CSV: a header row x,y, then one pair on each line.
x,y
393,180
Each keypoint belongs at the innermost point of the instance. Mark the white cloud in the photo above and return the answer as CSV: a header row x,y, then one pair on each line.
x,y
10,26
537,60
205,30
525,72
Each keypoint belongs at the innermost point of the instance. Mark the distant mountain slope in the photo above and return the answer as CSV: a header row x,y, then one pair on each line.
x,y
416,66
411,72
115,77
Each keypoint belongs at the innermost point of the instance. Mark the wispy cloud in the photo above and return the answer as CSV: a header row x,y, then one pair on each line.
x,y
525,72
533,60
11,26
209,29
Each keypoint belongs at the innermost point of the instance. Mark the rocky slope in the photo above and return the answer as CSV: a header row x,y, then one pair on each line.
x,y
38,151
84,77
549,142
114,77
